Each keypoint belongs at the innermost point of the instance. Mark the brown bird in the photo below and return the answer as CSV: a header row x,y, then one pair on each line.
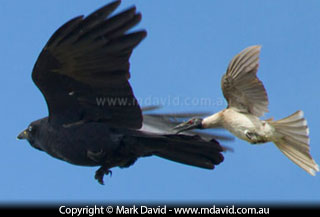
x,y
247,101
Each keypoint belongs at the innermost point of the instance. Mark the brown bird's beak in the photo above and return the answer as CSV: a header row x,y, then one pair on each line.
x,y
185,126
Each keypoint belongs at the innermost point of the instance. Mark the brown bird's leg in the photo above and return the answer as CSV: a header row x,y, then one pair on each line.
x,y
255,138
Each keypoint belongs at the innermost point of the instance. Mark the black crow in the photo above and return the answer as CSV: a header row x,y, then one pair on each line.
x,y
94,118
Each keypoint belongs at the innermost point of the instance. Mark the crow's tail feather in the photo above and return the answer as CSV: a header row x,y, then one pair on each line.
x,y
190,150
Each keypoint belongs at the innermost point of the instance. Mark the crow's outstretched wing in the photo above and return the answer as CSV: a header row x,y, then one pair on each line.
x,y
83,70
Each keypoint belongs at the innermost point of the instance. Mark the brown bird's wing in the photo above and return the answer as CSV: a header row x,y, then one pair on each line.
x,y
240,85
83,70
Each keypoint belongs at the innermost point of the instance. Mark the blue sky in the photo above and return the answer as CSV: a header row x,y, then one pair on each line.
x,y
188,48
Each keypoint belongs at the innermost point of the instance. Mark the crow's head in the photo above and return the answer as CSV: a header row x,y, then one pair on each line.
x,y
32,133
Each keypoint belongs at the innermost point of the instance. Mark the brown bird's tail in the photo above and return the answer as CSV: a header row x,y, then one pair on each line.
x,y
292,138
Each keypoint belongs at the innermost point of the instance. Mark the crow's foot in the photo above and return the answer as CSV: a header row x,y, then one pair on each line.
x,y
100,174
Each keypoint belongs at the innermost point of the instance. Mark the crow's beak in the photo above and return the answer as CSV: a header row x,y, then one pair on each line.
x,y
185,126
23,135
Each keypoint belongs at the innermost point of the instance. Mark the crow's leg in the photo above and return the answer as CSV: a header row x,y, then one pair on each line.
x,y
96,156
100,174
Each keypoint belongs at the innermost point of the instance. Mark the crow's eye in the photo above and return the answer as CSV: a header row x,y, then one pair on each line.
x,y
30,128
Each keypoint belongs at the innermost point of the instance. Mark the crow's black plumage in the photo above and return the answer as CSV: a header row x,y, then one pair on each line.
x,y
94,118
